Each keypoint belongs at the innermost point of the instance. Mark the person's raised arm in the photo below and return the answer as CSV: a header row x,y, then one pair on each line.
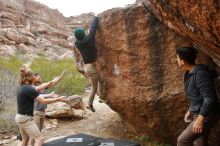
x,y
43,86
50,83
58,78
93,28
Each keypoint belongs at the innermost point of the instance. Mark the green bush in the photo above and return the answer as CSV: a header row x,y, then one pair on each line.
x,y
12,64
72,83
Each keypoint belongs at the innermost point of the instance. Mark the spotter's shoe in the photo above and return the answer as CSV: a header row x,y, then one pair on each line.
x,y
90,107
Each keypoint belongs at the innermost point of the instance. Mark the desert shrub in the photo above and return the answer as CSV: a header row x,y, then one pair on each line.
x,y
11,64
72,83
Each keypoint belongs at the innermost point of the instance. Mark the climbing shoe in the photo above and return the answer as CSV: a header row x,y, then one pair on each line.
x,y
19,137
90,107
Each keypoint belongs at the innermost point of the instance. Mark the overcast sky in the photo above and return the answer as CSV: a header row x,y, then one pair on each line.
x,y
77,7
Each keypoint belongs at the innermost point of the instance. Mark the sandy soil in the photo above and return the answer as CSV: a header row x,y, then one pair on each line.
x,y
102,123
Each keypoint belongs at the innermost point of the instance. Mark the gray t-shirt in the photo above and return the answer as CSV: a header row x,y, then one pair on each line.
x,y
39,106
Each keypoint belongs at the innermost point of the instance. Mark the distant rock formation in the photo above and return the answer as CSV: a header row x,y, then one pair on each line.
x,y
31,29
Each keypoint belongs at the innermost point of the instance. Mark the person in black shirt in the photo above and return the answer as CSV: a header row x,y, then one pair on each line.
x,y
86,46
26,95
200,90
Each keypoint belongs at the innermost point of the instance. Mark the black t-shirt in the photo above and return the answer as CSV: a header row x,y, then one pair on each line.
x,y
25,99
87,46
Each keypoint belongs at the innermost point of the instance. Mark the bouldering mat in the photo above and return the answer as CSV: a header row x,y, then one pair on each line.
x,y
88,140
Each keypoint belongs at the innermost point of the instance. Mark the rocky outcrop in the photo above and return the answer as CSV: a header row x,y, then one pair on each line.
x,y
137,61
62,110
72,109
31,29
77,21
196,20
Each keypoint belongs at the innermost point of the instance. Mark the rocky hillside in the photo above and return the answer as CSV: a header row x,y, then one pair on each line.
x,y
30,29
137,61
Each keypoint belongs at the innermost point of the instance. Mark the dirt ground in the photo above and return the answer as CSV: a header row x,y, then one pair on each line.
x,y
103,123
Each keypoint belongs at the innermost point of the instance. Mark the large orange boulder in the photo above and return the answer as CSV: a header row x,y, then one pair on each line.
x,y
137,60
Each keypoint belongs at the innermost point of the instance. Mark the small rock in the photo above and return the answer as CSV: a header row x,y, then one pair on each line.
x,y
14,137
6,137
53,121
48,127
74,101
53,126
6,141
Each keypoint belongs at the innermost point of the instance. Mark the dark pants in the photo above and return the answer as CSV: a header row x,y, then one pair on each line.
x,y
188,138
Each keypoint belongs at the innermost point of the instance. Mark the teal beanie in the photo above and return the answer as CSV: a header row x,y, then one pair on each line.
x,y
79,33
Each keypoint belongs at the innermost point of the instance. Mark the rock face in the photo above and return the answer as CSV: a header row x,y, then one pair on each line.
x,y
196,20
137,61
31,29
